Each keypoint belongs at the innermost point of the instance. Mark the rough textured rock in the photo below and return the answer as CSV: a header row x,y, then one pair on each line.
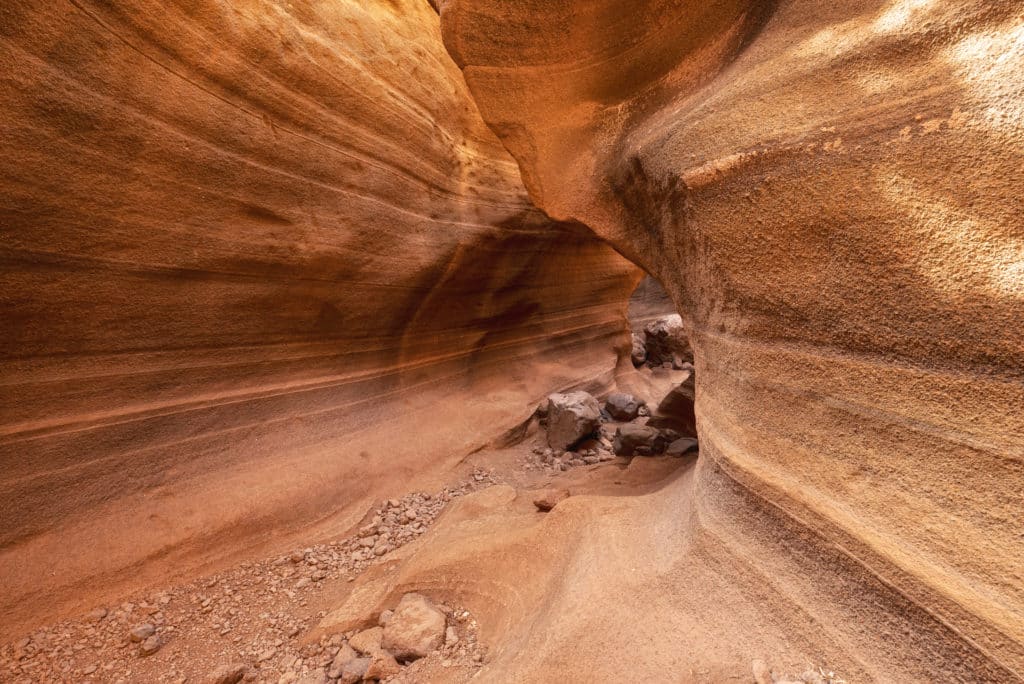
x,y
638,353
570,418
343,657
622,406
354,671
253,243
415,630
631,439
229,674
666,342
550,498
831,194
368,641
681,446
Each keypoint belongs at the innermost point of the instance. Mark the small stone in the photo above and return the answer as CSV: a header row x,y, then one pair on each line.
x,y
150,646
762,674
97,614
550,498
368,641
382,665
451,637
344,656
140,633
296,556
639,352
354,671
385,615
89,669
266,655
415,630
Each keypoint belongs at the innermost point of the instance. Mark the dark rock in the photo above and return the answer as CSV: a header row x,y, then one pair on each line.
x,y
639,440
666,339
683,445
621,406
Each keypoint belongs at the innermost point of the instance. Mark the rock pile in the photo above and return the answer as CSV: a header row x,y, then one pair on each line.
x,y
572,417
663,344
243,624
415,629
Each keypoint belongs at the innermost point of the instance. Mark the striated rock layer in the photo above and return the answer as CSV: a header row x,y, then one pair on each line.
x,y
831,194
261,261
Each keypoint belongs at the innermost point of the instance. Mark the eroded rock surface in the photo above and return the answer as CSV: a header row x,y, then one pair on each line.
x,y
831,194
252,249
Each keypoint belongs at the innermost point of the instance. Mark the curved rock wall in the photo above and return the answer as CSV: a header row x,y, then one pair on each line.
x,y
831,194
261,261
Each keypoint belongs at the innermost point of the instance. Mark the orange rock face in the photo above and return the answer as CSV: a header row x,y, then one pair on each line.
x,y
261,261
831,193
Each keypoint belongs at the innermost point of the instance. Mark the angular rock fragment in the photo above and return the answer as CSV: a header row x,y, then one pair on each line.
x,y
368,641
639,353
382,665
354,671
140,633
621,406
229,674
150,646
415,629
681,446
551,498
631,440
571,417
343,657
666,340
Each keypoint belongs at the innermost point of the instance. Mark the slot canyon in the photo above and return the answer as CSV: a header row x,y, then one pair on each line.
x,y
512,341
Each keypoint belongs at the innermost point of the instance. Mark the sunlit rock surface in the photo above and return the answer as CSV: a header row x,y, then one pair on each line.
x,y
831,194
261,262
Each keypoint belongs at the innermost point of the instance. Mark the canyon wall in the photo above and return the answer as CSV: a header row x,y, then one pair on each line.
x,y
261,262
831,194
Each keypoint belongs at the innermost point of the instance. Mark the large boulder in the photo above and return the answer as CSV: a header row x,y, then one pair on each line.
x,y
643,440
415,629
571,417
621,406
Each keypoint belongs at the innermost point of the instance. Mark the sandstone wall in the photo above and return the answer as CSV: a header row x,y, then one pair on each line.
x,y
261,261
831,193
